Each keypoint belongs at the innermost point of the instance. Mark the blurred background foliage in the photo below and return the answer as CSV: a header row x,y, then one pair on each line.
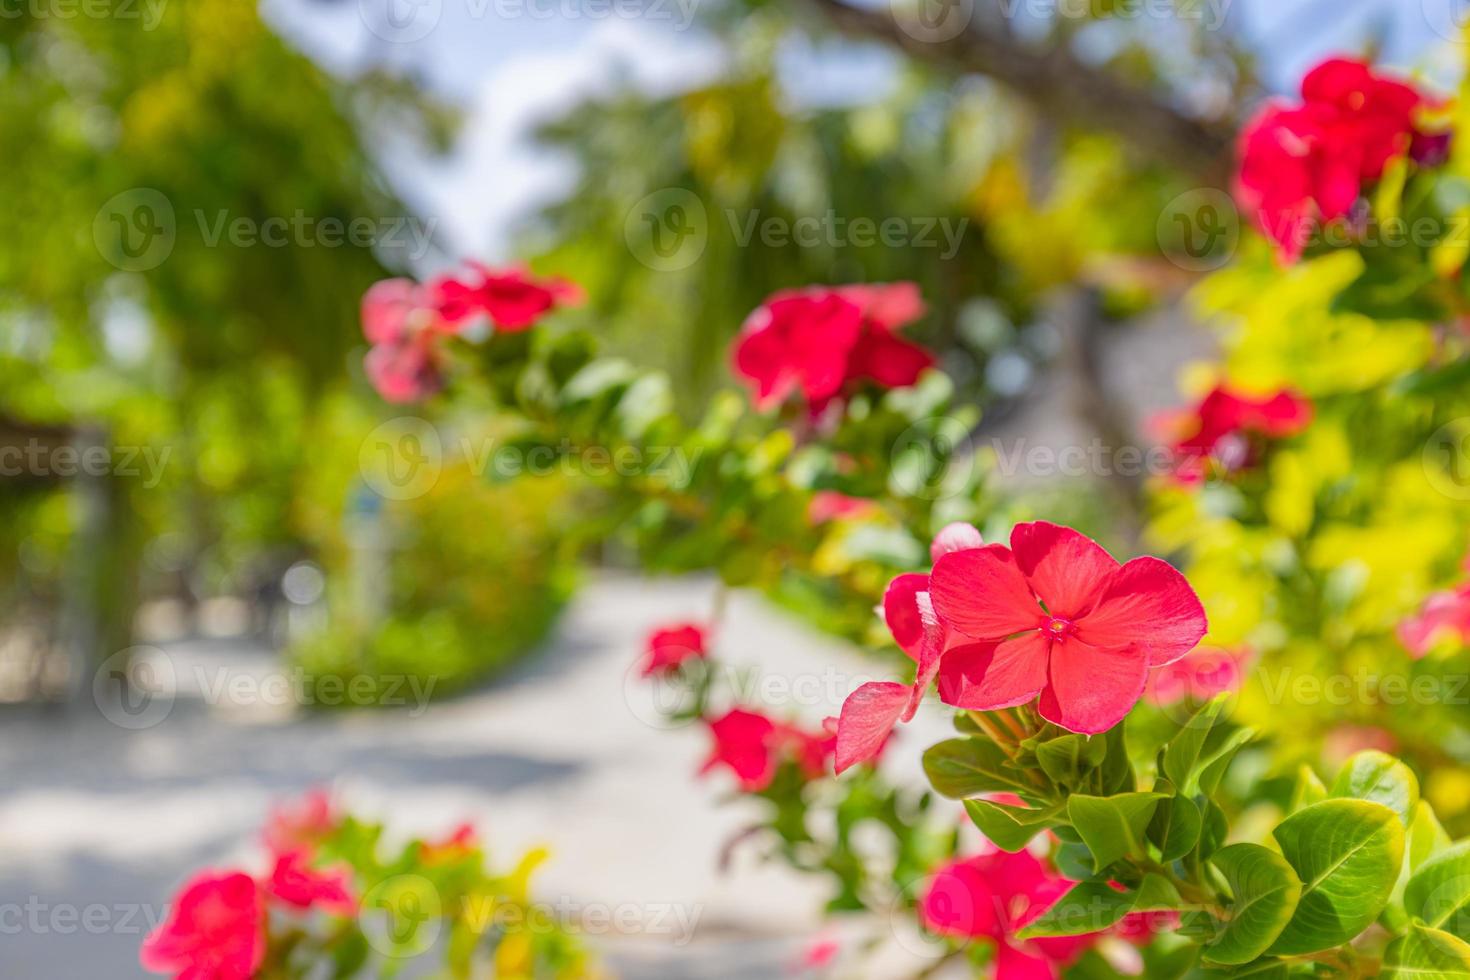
x,y
238,365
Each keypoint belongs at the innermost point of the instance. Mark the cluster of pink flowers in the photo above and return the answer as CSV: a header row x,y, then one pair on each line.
x,y
1226,428
1444,615
669,647
826,342
753,747
216,928
1306,164
407,322
1053,619
993,895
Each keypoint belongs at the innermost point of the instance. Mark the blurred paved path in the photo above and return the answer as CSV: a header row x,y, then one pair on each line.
x,y
558,753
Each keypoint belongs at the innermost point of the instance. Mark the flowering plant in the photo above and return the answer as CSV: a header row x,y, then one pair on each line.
x,y
331,900
1147,805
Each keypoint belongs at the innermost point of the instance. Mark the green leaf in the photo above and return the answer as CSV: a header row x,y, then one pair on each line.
x,y
1182,755
1439,892
1376,776
1264,891
1426,954
1112,826
1218,758
1346,853
1175,827
1214,828
1117,768
1308,790
1010,828
963,767
1426,838
1089,906
1262,969
1068,759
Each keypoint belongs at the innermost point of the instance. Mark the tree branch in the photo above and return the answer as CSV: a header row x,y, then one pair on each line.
x,y
1060,86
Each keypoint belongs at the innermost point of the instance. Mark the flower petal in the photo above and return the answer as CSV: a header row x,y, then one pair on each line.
x,y
1150,604
990,676
901,611
930,651
1091,688
958,536
868,715
1067,569
1015,963
981,593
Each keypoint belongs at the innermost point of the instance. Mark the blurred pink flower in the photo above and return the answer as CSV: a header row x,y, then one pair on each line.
x,y
215,930
295,882
671,645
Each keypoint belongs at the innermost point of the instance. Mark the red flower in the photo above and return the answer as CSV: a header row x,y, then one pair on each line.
x,y
215,930
994,895
1053,617
1443,615
294,881
406,323
829,505
826,341
1301,165
290,827
511,298
1224,426
670,646
753,746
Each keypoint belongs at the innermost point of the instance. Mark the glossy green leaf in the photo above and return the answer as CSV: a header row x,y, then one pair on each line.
x,y
1379,777
1439,892
1066,760
1264,891
1346,853
1309,789
1010,828
1423,953
963,767
1112,826
1183,754
1175,827
1217,759
1094,905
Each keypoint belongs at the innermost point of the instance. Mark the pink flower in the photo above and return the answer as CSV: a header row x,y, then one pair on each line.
x,y
407,323
753,747
1444,615
1306,164
826,341
511,298
292,826
991,897
294,881
1198,676
669,646
1053,617
1346,741
1227,427
215,930
404,327
829,505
